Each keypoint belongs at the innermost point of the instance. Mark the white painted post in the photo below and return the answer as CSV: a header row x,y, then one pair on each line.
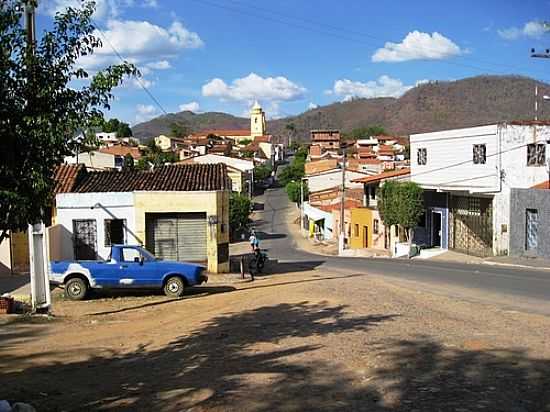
x,y
39,267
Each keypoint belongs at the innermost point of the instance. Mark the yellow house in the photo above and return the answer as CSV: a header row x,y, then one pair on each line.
x,y
178,212
367,229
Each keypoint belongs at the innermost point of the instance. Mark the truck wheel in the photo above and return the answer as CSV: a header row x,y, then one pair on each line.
x,y
174,287
76,289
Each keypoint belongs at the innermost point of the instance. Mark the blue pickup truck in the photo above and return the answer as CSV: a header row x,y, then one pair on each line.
x,y
128,267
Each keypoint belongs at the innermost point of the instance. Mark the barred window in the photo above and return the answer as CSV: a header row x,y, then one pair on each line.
x,y
480,154
375,229
536,154
422,156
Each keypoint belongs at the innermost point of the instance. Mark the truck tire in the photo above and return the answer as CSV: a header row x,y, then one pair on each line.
x,y
174,287
76,289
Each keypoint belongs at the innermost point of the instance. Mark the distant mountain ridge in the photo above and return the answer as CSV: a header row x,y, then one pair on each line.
x,y
427,107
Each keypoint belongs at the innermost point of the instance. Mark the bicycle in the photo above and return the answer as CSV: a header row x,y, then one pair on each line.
x,y
257,262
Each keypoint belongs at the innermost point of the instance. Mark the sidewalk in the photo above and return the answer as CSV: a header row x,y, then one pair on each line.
x,y
520,262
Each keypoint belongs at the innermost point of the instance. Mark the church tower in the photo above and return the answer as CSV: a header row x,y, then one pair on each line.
x,y
257,121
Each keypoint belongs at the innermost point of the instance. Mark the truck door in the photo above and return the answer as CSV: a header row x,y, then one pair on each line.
x,y
133,272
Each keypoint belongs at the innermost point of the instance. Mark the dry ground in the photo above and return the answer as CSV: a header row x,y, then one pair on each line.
x,y
304,341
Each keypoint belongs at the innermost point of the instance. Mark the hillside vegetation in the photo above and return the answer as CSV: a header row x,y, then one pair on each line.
x,y
427,107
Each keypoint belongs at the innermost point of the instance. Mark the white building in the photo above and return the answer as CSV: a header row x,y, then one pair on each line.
x,y
332,178
107,139
96,160
469,174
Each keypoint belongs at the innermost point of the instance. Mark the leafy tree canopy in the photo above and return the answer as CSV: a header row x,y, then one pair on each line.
x,y
240,207
41,111
180,129
262,172
120,128
294,191
364,132
401,203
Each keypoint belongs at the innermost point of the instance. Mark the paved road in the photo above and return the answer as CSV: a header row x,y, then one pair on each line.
x,y
510,288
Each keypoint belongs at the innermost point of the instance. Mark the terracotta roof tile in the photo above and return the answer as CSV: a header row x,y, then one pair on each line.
x,y
223,132
262,139
187,177
66,177
542,185
122,151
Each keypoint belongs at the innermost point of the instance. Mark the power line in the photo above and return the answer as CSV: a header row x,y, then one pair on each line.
x,y
123,60
337,32
471,160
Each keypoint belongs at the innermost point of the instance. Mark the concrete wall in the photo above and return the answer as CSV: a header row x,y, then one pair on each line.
x,y
76,206
94,160
5,257
214,203
331,179
520,200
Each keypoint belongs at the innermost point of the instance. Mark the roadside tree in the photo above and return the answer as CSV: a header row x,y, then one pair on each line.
x,y
41,109
401,203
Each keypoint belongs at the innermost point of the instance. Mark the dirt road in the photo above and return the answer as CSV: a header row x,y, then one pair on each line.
x,y
300,341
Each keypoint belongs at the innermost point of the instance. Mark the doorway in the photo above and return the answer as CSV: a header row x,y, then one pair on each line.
x,y
436,229
531,230
365,236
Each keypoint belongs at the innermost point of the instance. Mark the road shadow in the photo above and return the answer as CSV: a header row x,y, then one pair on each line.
x,y
268,236
268,359
9,282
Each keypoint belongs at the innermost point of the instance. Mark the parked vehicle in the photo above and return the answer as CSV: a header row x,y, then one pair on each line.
x,y
128,267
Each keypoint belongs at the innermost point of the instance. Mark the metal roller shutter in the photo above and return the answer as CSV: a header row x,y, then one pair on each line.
x,y
180,237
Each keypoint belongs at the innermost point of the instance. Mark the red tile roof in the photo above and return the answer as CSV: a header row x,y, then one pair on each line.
x,y
382,176
223,132
262,139
122,151
187,177
66,177
348,204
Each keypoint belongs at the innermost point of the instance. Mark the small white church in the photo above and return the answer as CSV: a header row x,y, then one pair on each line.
x,y
258,128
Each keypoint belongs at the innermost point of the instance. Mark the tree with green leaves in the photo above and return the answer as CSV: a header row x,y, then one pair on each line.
x,y
294,191
180,129
261,172
41,109
240,207
245,142
365,132
153,156
116,126
401,203
128,162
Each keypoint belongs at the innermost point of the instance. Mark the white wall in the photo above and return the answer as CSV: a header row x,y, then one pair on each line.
x,y
450,166
515,174
242,165
94,160
75,206
5,257
334,178
449,159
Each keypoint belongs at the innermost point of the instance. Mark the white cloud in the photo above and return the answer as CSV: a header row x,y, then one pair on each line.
x,y
312,106
384,86
421,82
533,29
418,45
104,8
191,106
145,112
160,65
254,87
148,44
150,3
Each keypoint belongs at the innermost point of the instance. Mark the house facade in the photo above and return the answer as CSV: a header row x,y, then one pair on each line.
x,y
469,176
178,212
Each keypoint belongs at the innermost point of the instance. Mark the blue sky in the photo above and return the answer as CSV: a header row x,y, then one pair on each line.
x,y
221,55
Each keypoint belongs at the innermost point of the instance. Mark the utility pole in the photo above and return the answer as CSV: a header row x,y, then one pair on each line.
x,y
301,205
30,23
342,236
536,102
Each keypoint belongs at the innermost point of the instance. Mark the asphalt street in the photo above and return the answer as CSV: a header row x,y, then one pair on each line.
x,y
509,287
